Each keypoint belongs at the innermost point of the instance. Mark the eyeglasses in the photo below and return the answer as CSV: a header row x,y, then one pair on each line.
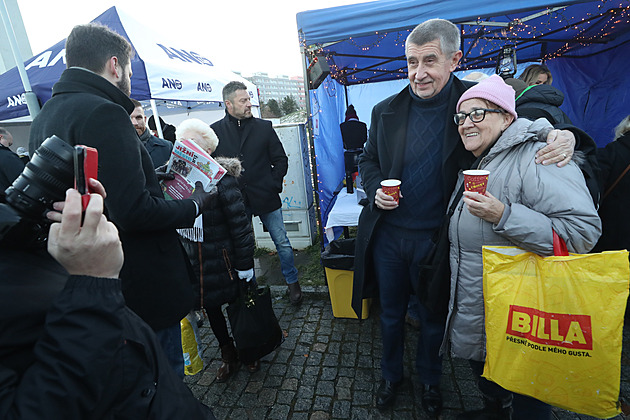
x,y
476,115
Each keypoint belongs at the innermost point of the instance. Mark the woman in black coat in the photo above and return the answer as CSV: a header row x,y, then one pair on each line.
x,y
226,254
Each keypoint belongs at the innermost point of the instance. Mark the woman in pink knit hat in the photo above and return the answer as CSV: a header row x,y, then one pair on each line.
x,y
522,204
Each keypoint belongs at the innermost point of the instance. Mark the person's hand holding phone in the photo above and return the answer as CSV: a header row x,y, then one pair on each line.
x,y
94,185
91,248
85,167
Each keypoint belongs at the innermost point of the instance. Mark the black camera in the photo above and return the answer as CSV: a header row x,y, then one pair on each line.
x,y
43,181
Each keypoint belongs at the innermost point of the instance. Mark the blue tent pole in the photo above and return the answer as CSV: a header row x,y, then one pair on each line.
x,y
31,98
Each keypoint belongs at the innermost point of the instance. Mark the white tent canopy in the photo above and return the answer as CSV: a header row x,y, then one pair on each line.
x,y
162,70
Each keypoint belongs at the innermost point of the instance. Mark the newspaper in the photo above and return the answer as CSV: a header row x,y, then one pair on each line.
x,y
190,164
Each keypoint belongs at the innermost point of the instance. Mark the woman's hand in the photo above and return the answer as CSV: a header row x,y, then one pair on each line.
x,y
486,207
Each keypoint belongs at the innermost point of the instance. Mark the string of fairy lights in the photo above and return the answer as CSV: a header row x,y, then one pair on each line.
x,y
523,33
559,30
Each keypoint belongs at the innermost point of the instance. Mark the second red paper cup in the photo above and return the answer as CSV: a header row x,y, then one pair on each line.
x,y
391,187
476,180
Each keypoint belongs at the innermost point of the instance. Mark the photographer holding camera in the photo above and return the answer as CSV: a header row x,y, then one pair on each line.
x,y
90,105
69,347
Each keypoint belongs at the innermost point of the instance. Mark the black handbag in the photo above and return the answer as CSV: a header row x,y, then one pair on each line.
x,y
254,324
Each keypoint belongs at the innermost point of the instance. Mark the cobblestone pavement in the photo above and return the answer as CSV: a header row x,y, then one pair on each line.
x,y
329,368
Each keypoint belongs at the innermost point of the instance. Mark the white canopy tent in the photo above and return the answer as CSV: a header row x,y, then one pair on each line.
x,y
179,79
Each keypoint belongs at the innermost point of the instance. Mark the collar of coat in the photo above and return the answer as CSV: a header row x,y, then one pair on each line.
x,y
145,136
395,117
77,80
237,122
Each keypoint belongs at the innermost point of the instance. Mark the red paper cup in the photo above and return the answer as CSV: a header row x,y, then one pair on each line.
x,y
476,180
391,187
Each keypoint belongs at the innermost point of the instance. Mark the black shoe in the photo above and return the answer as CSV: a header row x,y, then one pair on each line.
x,y
386,393
432,399
295,293
492,410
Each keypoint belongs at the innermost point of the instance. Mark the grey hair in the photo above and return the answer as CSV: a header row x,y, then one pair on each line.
x,y
210,140
622,128
443,30
4,131
231,88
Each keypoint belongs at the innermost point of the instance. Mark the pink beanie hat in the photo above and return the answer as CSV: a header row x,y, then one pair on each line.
x,y
495,90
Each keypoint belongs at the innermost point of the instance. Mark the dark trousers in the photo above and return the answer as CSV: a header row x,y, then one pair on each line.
x,y
525,408
171,341
218,325
396,262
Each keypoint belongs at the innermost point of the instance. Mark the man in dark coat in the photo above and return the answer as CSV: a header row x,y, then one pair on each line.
x,y
69,347
413,138
159,149
90,106
11,165
255,143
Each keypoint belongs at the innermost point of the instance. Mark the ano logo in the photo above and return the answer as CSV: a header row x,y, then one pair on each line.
x,y
562,330
16,100
171,84
204,87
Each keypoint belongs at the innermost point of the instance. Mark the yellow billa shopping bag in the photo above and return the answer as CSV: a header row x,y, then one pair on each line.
x,y
554,326
193,363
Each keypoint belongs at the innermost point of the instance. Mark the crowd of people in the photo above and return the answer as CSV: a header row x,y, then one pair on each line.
x,y
91,317
93,334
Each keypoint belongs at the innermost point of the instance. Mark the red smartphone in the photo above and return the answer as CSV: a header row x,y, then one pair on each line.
x,y
85,167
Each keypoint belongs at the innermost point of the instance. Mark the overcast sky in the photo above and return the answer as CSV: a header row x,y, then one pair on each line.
x,y
245,35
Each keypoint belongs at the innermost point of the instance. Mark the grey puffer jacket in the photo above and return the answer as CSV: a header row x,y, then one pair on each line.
x,y
537,199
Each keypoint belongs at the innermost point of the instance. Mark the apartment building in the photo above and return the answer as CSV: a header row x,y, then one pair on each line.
x,y
279,87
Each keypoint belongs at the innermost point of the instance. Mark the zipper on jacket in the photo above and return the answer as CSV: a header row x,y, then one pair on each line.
x,y
481,162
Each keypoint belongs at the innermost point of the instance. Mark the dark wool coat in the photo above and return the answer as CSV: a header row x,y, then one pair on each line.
x,y
11,167
159,149
353,134
382,158
263,158
613,160
87,109
71,349
228,239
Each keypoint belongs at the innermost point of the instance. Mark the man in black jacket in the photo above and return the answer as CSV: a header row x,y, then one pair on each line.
x,y
256,144
10,163
159,149
413,138
90,105
69,348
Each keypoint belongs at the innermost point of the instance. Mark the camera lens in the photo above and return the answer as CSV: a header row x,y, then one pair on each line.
x,y
44,180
